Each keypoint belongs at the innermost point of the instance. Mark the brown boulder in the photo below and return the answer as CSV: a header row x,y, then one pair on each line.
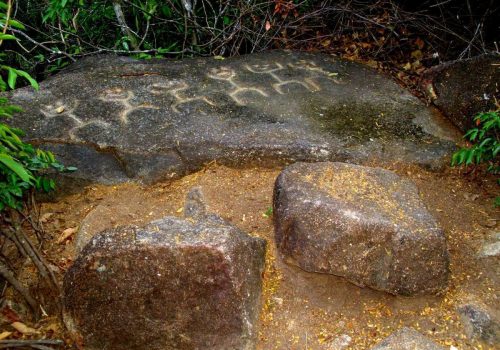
x,y
463,88
190,283
365,224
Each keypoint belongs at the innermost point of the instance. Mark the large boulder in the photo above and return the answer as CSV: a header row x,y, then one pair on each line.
x,y
365,224
407,339
191,283
463,88
118,119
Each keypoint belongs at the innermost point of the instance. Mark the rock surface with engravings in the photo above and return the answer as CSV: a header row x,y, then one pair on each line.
x,y
118,119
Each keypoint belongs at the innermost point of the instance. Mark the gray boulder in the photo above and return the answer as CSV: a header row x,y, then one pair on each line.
x,y
365,224
480,322
407,339
118,119
190,283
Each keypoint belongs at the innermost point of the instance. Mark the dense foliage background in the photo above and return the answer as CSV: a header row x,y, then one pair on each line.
x,y
389,34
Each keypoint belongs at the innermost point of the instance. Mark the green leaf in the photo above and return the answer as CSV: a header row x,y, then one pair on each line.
x,y
485,142
11,78
16,24
496,149
3,84
15,167
469,156
471,134
7,37
28,77
45,184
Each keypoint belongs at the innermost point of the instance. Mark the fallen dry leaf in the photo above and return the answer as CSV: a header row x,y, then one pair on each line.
x,y
66,234
45,217
5,335
22,328
268,26
10,314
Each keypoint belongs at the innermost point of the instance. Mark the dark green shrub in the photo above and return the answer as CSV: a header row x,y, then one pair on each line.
x,y
485,145
23,170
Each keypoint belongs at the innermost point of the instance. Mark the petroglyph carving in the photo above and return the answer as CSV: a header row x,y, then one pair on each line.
x,y
228,74
124,97
313,67
59,109
278,86
177,88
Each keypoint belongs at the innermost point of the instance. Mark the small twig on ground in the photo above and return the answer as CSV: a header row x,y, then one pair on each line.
x,y
6,273
34,344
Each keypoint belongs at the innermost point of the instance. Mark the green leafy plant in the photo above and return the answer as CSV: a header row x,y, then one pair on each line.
x,y
268,213
485,145
22,166
24,169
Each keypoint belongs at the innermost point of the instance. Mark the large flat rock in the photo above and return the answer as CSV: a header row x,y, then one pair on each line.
x,y
118,119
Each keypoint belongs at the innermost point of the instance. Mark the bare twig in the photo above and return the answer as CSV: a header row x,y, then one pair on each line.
x,y
42,344
117,6
7,18
7,274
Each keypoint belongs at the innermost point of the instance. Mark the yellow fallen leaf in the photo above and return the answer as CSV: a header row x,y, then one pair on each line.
x,y
326,43
218,58
66,234
417,54
5,335
45,217
372,63
22,328
60,109
54,327
180,210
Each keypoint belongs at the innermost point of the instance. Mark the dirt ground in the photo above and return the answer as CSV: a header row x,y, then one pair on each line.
x,y
303,310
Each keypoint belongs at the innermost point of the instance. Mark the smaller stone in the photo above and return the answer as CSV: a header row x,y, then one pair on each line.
x,y
495,236
480,323
407,339
195,206
490,223
490,250
340,342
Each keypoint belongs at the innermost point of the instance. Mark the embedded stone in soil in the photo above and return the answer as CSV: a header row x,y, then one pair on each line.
x,y
309,310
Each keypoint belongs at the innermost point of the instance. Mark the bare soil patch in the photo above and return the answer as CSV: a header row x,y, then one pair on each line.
x,y
303,310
